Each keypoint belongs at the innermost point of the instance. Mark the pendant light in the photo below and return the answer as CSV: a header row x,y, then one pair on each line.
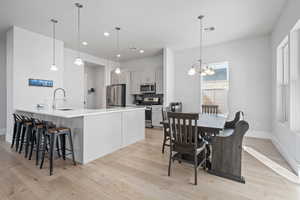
x,y
53,66
198,66
118,70
78,61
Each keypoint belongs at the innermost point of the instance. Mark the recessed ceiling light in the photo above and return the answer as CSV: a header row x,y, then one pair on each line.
x,y
142,51
84,43
106,34
118,55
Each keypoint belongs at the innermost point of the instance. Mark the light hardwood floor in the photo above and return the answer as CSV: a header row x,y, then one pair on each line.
x,y
139,172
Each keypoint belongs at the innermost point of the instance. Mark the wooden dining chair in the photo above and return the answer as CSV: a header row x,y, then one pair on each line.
x,y
185,142
175,107
210,109
166,127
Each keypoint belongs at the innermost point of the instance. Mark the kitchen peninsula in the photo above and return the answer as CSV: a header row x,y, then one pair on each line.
x,y
96,132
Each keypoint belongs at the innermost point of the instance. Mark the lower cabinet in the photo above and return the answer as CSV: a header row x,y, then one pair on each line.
x,y
133,126
156,116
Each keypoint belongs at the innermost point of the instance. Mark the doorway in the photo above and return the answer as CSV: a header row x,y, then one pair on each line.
x,y
94,86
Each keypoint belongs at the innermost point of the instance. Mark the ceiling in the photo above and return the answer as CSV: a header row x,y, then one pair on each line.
x,y
146,24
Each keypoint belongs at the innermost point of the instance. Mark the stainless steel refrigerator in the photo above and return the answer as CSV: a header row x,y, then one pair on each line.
x,y
116,95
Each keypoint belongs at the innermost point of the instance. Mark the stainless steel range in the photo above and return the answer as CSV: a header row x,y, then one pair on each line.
x,y
149,101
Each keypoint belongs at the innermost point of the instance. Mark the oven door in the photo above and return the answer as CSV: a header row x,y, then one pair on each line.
x,y
148,117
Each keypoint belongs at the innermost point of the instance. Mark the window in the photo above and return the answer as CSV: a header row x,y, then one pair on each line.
x,y
294,78
214,88
283,81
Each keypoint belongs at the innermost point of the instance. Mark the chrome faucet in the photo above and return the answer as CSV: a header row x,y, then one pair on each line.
x,y
54,97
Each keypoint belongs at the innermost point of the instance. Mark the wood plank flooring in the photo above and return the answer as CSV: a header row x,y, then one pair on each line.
x,y
138,172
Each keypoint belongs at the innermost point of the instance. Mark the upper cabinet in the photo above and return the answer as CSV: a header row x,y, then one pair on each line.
x,y
136,78
147,77
122,78
114,78
135,82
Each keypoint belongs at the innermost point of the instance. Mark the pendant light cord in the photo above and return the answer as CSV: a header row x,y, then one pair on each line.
x,y
53,43
118,42
79,6
54,22
78,32
201,40
118,45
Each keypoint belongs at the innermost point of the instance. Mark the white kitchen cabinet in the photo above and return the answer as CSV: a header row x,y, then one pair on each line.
x,y
135,82
156,116
159,81
122,78
114,78
147,77
144,77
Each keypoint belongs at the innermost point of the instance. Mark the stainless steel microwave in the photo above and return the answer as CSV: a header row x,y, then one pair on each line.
x,y
148,88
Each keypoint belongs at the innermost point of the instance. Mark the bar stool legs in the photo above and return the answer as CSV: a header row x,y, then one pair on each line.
x,y
38,145
19,135
53,136
14,131
63,146
52,142
23,133
29,138
71,146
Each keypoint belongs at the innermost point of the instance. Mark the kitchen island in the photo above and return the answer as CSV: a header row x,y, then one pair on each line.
x,y
96,132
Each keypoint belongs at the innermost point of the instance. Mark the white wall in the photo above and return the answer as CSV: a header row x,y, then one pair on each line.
x,y
29,55
169,76
2,86
287,141
74,75
143,64
94,78
249,74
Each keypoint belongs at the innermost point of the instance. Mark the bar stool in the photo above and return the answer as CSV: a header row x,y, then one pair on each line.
x,y
35,138
24,134
16,129
51,135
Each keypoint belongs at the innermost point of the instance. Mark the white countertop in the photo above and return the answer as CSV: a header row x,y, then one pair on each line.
x,y
77,112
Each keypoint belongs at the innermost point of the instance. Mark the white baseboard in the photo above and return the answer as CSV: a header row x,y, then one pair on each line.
x,y
259,134
291,161
2,131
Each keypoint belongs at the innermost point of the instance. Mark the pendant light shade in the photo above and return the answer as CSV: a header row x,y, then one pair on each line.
x,y
198,66
192,71
118,70
78,61
53,66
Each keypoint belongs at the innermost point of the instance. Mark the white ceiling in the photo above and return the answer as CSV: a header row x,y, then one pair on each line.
x,y
147,24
